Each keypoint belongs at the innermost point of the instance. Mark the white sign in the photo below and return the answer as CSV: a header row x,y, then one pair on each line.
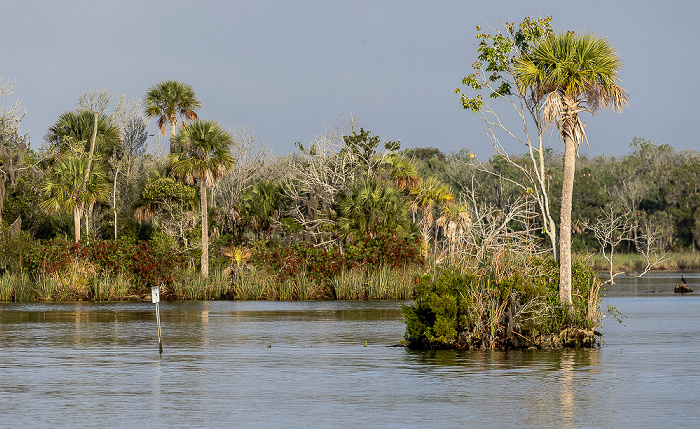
x,y
155,294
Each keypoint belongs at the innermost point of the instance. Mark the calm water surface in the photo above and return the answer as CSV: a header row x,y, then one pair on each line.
x,y
327,364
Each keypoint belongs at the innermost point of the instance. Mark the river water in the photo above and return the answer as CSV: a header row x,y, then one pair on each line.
x,y
327,364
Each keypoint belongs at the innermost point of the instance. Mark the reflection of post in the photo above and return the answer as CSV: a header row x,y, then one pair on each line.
x,y
566,390
155,297
205,322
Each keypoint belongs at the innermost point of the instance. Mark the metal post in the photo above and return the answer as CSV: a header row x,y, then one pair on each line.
x,y
155,297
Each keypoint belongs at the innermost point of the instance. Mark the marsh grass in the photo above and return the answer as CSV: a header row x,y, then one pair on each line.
x,y
73,283
16,287
190,285
217,285
45,286
378,284
7,287
350,284
251,284
108,287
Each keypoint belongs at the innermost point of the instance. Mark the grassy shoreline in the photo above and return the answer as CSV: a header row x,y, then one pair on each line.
x,y
356,284
384,283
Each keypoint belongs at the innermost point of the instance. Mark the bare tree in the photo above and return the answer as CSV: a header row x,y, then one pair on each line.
x,y
613,228
251,167
13,146
494,235
494,74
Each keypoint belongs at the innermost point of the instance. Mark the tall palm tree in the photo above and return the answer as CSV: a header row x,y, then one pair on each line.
x,y
169,100
65,192
202,154
571,74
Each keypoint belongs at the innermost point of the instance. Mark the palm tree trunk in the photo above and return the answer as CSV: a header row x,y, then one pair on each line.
x,y
77,213
565,223
173,130
93,139
205,230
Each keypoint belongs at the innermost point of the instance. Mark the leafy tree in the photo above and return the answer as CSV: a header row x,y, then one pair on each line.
x,y
570,74
363,146
169,100
202,155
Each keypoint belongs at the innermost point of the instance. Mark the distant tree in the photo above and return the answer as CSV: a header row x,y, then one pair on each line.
x,y
325,168
169,100
134,137
202,154
426,198
571,74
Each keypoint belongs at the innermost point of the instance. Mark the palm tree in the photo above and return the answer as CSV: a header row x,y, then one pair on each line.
x,y
404,173
570,74
65,191
261,206
203,154
169,100
455,222
73,131
371,207
429,194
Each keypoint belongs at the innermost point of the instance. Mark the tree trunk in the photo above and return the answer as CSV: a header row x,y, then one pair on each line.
x,y
205,230
565,224
173,130
77,213
91,155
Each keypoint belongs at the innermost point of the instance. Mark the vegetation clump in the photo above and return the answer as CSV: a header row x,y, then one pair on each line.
x,y
514,310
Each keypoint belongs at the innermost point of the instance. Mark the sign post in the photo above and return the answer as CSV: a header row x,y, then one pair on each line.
x,y
155,297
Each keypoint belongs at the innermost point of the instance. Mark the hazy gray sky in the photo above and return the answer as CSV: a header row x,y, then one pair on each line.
x,y
287,69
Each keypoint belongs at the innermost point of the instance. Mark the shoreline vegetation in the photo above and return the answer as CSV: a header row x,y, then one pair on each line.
x,y
82,283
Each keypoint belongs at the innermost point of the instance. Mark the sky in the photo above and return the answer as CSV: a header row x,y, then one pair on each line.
x,y
287,70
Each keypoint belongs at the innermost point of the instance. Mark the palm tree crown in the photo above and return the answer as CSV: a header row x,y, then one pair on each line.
x,y
568,71
169,100
203,152
64,189
72,132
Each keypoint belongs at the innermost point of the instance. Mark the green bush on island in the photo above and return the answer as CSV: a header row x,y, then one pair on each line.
x,y
517,308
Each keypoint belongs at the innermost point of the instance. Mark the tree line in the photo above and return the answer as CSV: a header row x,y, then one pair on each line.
x,y
94,175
